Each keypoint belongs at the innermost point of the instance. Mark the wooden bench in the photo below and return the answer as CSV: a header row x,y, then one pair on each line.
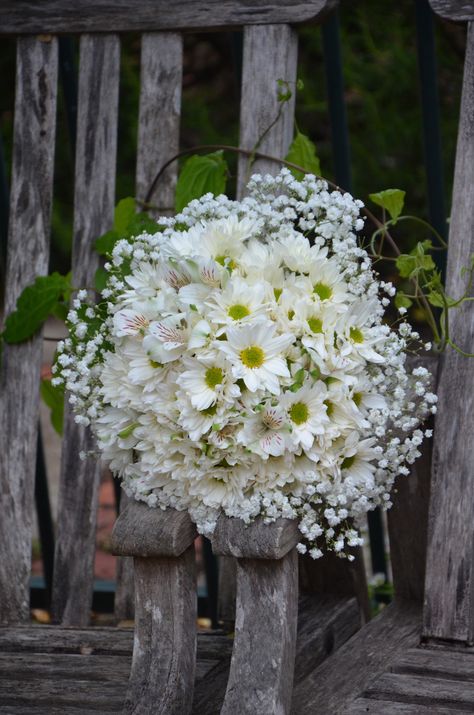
x,y
164,567
339,668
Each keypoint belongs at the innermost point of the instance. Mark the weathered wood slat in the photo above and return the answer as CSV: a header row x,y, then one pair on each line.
x,y
324,624
28,16
437,663
449,603
34,666
66,691
408,517
94,200
331,687
159,116
28,253
423,690
264,63
364,706
458,10
97,641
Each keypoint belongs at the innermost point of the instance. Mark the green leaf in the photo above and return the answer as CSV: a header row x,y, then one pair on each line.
x,y
303,152
402,300
201,175
104,245
53,397
392,200
123,214
142,223
410,264
100,279
34,305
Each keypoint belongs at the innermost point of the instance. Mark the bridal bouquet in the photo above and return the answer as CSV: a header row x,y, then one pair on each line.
x,y
238,363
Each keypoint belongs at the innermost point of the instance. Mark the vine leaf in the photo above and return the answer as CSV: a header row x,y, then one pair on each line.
x,y
201,175
53,397
303,152
48,295
402,300
392,200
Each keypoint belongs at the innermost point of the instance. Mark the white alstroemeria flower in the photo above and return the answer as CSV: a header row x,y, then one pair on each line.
x,y
266,432
257,355
295,251
238,303
166,340
307,412
204,384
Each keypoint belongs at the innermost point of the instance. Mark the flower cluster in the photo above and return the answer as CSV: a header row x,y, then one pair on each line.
x,y
239,363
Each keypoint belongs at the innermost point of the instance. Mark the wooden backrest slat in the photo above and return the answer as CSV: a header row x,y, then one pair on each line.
x,y
30,16
28,253
159,115
94,200
449,598
265,63
158,140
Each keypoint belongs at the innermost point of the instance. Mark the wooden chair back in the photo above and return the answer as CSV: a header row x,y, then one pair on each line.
x,y
270,53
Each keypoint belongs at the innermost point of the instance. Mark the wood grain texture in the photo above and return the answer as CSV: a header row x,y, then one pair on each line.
x,y
164,651
232,537
94,641
94,199
408,517
364,657
362,706
124,601
27,257
423,690
29,16
444,664
449,590
324,624
159,116
263,659
459,10
146,532
270,54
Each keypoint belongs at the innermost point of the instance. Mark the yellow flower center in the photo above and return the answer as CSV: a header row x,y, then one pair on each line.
x,y
356,335
315,325
348,462
238,311
322,290
299,413
213,377
252,356
155,364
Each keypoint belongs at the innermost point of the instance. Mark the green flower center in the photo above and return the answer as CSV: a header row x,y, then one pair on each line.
x,y
348,462
277,292
291,314
322,290
356,335
315,325
357,398
238,311
253,356
213,377
299,413
155,364
226,261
